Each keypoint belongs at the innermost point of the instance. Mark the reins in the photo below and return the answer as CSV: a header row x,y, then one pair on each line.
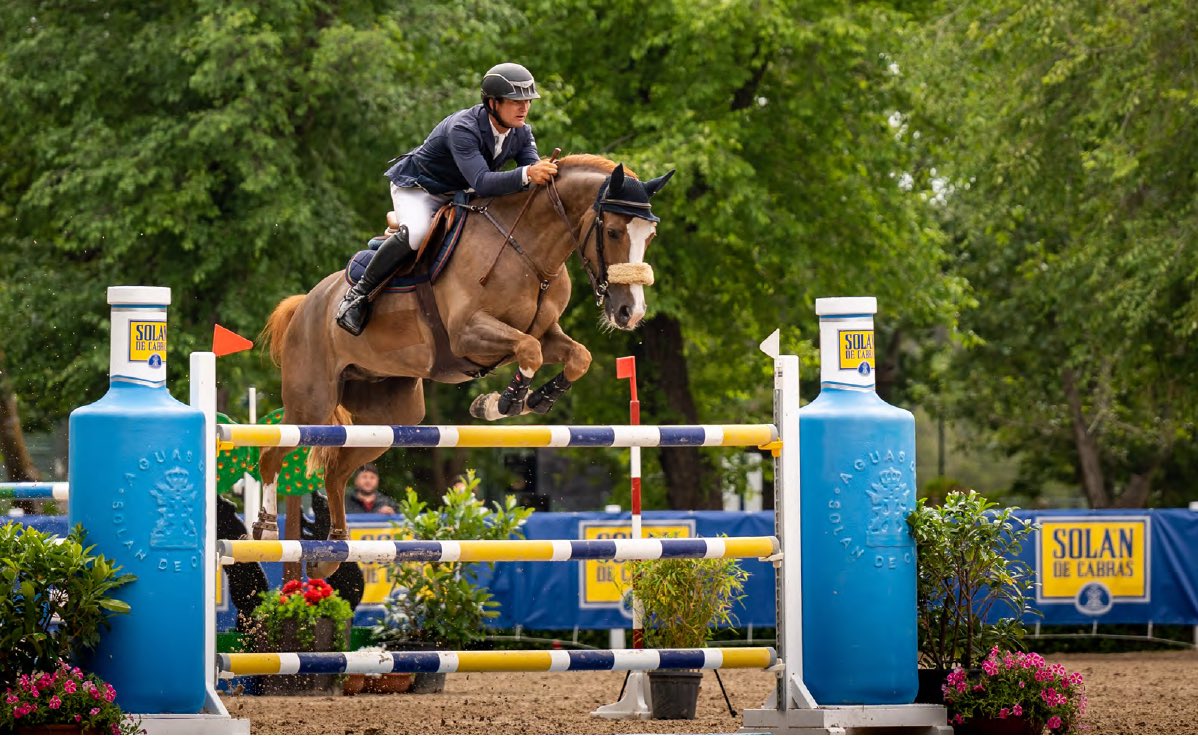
x,y
599,282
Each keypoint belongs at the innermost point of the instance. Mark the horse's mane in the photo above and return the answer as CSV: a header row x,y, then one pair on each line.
x,y
592,162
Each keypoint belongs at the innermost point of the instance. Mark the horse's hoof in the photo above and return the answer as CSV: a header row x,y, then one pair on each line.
x,y
486,407
322,570
267,530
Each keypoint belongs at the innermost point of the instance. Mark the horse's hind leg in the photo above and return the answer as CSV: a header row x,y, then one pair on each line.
x,y
392,401
307,399
270,462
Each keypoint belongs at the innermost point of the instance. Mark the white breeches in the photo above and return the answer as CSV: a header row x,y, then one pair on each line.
x,y
415,209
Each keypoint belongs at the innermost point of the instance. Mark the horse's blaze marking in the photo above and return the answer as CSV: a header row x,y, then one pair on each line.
x,y
639,232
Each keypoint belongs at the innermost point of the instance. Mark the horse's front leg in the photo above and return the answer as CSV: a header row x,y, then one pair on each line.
x,y
558,347
485,335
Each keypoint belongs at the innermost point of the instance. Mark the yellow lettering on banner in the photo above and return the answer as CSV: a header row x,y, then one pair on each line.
x,y
1073,552
856,347
147,339
604,582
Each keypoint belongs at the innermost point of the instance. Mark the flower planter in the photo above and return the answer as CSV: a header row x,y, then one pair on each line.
x,y
1012,725
930,681
385,684
675,694
423,683
289,641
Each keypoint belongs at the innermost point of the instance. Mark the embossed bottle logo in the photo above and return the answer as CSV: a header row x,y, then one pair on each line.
x,y
876,490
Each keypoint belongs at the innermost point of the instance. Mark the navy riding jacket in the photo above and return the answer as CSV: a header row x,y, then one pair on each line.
x,y
457,155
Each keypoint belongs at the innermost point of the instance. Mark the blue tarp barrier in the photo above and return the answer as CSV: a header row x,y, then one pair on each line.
x,y
1113,566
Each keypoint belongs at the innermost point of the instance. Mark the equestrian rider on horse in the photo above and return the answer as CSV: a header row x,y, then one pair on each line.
x,y
465,151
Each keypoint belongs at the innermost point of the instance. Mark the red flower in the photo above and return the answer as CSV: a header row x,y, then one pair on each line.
x,y
292,586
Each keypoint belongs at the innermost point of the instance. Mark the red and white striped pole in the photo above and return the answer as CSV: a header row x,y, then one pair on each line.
x,y
626,369
635,701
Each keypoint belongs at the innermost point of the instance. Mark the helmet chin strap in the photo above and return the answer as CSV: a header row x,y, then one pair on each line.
x,y
490,105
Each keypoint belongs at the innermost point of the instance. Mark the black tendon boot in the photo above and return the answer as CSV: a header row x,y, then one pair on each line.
x,y
392,255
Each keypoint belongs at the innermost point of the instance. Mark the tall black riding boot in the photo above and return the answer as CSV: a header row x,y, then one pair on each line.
x,y
392,255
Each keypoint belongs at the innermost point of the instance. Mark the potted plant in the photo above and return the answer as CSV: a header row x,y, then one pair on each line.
x,y
1015,693
972,588
682,601
302,617
58,600
438,605
63,700
381,683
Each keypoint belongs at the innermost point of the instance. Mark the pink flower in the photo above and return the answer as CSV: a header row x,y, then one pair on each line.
x,y
1022,683
1053,723
11,698
78,718
961,687
958,719
1004,712
77,673
94,712
70,687
1017,710
990,668
978,687
55,702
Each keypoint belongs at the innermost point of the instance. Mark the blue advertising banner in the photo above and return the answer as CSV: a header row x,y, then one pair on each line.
x,y
1127,566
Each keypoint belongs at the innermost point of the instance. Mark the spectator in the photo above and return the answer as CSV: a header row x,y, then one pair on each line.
x,y
366,498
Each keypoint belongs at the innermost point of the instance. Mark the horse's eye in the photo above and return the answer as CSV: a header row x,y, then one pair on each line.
x,y
611,233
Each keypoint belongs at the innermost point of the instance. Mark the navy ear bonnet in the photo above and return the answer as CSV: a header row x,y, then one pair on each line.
x,y
627,196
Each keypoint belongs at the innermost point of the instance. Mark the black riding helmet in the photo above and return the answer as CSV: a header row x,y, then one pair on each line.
x,y
510,82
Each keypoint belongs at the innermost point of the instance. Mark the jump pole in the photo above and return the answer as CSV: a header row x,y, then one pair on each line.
x,y
635,700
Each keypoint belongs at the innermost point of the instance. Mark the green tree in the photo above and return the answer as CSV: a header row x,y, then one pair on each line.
x,y
778,117
1066,139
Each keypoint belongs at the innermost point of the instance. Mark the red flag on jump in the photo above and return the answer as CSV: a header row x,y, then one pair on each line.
x,y
227,342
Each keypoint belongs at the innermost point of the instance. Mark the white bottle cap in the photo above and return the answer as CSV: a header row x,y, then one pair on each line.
x,y
846,341
138,352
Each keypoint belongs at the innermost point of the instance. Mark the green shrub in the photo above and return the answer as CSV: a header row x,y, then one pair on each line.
x,y
51,581
439,602
683,600
968,571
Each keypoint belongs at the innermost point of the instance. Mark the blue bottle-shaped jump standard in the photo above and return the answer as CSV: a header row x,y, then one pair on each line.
x,y
858,485
137,485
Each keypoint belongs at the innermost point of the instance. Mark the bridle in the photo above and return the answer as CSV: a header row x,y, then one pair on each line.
x,y
596,271
597,276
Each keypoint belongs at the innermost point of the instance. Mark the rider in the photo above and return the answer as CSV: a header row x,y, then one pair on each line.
x,y
465,151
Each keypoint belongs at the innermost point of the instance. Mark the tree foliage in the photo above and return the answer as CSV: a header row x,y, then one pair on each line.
x,y
1066,138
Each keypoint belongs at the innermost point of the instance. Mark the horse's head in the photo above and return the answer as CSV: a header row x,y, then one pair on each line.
x,y
624,225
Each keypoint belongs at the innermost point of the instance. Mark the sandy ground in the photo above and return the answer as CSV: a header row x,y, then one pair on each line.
x,y
1129,693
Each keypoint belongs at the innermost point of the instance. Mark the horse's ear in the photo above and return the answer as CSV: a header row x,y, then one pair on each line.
x,y
617,180
653,186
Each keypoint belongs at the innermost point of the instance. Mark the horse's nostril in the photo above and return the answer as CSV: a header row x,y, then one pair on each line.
x,y
624,315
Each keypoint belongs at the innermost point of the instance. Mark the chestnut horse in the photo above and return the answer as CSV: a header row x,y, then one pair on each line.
x,y
498,301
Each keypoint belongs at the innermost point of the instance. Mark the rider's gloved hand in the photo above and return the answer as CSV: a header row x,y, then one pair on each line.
x,y
541,172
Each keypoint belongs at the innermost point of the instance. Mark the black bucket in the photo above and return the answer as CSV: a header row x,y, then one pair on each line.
x,y
675,694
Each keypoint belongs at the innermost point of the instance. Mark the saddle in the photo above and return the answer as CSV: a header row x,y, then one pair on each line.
x,y
431,257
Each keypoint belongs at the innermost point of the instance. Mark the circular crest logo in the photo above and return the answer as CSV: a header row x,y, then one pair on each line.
x,y
1094,599
864,369
155,361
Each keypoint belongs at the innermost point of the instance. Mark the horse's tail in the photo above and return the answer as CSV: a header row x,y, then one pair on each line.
x,y
320,457
277,324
